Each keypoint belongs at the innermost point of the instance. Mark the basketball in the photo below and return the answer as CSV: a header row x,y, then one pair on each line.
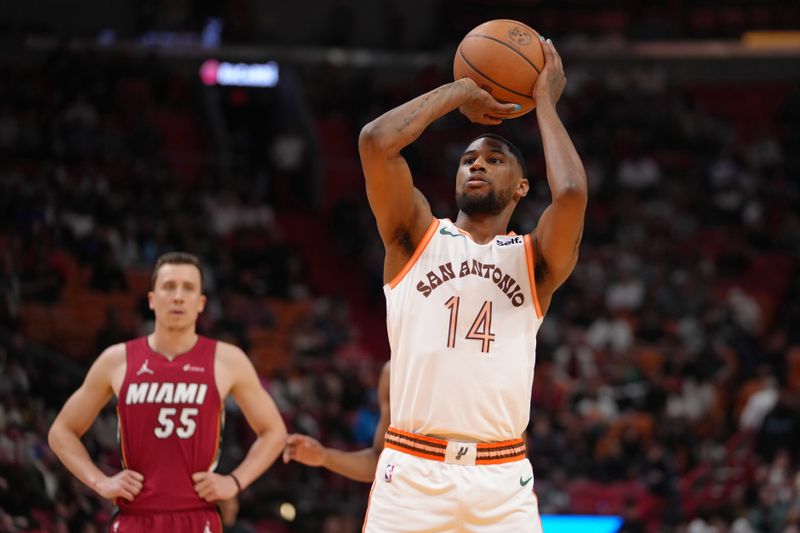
x,y
504,57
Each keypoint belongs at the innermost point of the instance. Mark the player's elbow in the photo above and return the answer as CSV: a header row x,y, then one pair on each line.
x,y
374,139
572,194
369,138
54,435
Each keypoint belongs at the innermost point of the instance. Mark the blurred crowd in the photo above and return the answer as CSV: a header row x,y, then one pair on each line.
x,y
667,384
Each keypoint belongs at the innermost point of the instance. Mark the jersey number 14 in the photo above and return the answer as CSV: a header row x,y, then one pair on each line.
x,y
481,329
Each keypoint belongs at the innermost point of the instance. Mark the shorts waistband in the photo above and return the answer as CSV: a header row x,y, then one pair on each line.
x,y
455,452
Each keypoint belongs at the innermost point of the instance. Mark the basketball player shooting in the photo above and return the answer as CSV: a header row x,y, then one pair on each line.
x,y
171,387
464,302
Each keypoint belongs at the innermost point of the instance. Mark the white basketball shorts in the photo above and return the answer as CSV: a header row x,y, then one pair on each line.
x,y
426,485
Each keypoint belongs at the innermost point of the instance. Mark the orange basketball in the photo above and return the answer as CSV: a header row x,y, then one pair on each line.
x,y
504,57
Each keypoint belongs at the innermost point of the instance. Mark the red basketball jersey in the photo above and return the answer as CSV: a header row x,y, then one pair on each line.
x,y
170,423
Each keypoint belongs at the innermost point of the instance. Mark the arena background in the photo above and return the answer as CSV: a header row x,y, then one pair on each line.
x,y
668,369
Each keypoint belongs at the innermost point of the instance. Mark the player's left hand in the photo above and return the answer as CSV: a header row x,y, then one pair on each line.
x,y
552,80
212,486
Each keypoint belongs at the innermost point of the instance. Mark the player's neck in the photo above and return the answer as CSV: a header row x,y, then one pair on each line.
x,y
483,228
172,343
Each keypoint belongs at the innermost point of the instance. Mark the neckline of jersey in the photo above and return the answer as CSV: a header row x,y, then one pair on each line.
x,y
166,359
471,238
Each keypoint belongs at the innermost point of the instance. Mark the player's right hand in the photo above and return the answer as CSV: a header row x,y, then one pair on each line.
x,y
481,107
126,484
303,449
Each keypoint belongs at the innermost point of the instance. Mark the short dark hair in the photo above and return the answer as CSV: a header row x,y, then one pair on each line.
x,y
511,148
175,258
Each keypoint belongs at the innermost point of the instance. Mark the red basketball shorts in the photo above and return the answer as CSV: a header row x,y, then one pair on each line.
x,y
174,522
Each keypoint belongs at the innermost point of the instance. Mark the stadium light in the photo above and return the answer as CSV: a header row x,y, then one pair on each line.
x,y
213,72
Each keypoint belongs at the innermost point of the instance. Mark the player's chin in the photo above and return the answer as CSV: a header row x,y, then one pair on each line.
x,y
180,321
477,193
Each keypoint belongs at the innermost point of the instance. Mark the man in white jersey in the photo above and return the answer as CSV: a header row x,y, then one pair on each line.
x,y
464,302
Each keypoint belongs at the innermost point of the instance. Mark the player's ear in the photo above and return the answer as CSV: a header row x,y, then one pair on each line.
x,y
150,297
523,187
203,301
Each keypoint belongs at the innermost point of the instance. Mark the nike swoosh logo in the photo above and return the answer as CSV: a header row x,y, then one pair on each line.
x,y
523,483
445,231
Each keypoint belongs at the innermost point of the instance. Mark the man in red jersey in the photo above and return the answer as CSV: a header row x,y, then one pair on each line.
x,y
170,387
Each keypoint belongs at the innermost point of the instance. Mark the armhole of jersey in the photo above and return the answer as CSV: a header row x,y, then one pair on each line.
x,y
213,345
122,392
121,438
413,259
218,441
531,272
128,365
213,348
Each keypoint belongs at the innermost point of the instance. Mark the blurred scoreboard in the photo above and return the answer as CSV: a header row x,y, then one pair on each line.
x,y
582,523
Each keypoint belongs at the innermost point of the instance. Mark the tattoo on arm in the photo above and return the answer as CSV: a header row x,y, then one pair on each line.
x,y
412,116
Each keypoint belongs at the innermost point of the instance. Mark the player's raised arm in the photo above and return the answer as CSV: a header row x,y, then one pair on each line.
x,y
359,465
558,234
401,212
263,417
75,418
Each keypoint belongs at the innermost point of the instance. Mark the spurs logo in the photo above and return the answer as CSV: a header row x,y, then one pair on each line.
x,y
462,451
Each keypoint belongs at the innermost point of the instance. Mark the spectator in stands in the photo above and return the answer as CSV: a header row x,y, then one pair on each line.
x,y
112,332
770,513
107,275
780,429
631,523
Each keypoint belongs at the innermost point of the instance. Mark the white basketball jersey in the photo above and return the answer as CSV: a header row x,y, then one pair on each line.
x,y
462,319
